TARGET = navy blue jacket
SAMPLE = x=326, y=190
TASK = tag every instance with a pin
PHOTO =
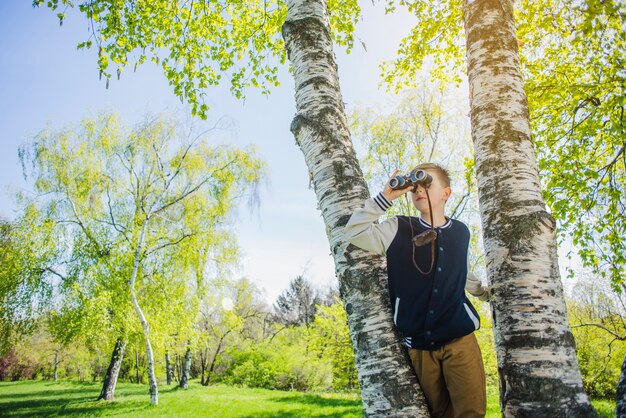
x=430, y=310
x=433, y=309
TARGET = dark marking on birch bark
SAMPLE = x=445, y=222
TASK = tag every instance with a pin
x=517, y=232
x=342, y=220
x=529, y=341
x=558, y=399
x=304, y=30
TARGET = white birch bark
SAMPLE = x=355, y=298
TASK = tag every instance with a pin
x=154, y=390
x=388, y=385
x=539, y=373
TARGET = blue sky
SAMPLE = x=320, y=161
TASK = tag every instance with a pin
x=45, y=81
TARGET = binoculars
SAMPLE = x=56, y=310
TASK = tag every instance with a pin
x=414, y=179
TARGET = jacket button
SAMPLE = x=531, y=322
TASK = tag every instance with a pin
x=431, y=311
x=438, y=268
x=432, y=343
x=440, y=248
x=435, y=290
x=427, y=332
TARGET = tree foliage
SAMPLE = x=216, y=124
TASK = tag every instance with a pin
x=314, y=357
x=29, y=252
x=330, y=339
x=197, y=42
x=231, y=313
x=597, y=314
x=573, y=61
x=127, y=202
x=423, y=126
x=297, y=304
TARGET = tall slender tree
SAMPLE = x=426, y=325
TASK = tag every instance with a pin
x=132, y=198
x=204, y=36
x=539, y=373
x=320, y=126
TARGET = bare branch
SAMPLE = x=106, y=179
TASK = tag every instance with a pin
x=613, y=333
x=62, y=277
x=113, y=223
x=193, y=189
x=168, y=244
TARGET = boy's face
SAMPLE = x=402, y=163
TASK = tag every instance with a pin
x=438, y=193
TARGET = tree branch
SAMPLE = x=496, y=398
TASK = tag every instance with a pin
x=168, y=244
x=613, y=333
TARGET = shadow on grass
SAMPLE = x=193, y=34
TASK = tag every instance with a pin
x=39, y=406
x=69, y=406
x=296, y=414
x=318, y=400
x=59, y=399
x=73, y=393
x=309, y=403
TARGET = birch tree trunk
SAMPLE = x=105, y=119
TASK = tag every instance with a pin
x=539, y=373
x=136, y=365
x=110, y=379
x=154, y=390
x=168, y=368
x=56, y=366
x=184, y=379
x=388, y=385
x=620, y=394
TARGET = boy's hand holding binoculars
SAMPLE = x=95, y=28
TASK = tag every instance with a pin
x=392, y=194
x=400, y=184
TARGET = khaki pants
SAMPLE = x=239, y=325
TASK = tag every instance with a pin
x=452, y=378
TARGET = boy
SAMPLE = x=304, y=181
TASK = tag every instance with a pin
x=426, y=287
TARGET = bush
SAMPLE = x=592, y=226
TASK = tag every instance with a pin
x=284, y=363
x=252, y=368
x=14, y=367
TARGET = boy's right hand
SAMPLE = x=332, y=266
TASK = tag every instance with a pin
x=391, y=194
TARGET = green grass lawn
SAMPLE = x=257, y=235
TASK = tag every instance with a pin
x=44, y=398
x=41, y=398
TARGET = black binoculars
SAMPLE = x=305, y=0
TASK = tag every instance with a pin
x=414, y=179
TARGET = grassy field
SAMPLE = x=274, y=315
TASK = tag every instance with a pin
x=43, y=398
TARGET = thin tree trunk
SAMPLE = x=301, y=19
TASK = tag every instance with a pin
x=154, y=390
x=539, y=373
x=212, y=367
x=388, y=385
x=203, y=364
x=110, y=379
x=203, y=369
x=168, y=368
x=136, y=365
x=184, y=380
x=56, y=366
x=620, y=394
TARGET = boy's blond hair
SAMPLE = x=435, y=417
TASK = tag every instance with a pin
x=442, y=173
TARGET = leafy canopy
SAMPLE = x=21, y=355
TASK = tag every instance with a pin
x=197, y=42
x=573, y=61
x=100, y=183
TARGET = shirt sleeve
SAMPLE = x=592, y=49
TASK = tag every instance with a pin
x=363, y=231
x=474, y=286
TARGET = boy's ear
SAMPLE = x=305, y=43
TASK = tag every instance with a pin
x=447, y=191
